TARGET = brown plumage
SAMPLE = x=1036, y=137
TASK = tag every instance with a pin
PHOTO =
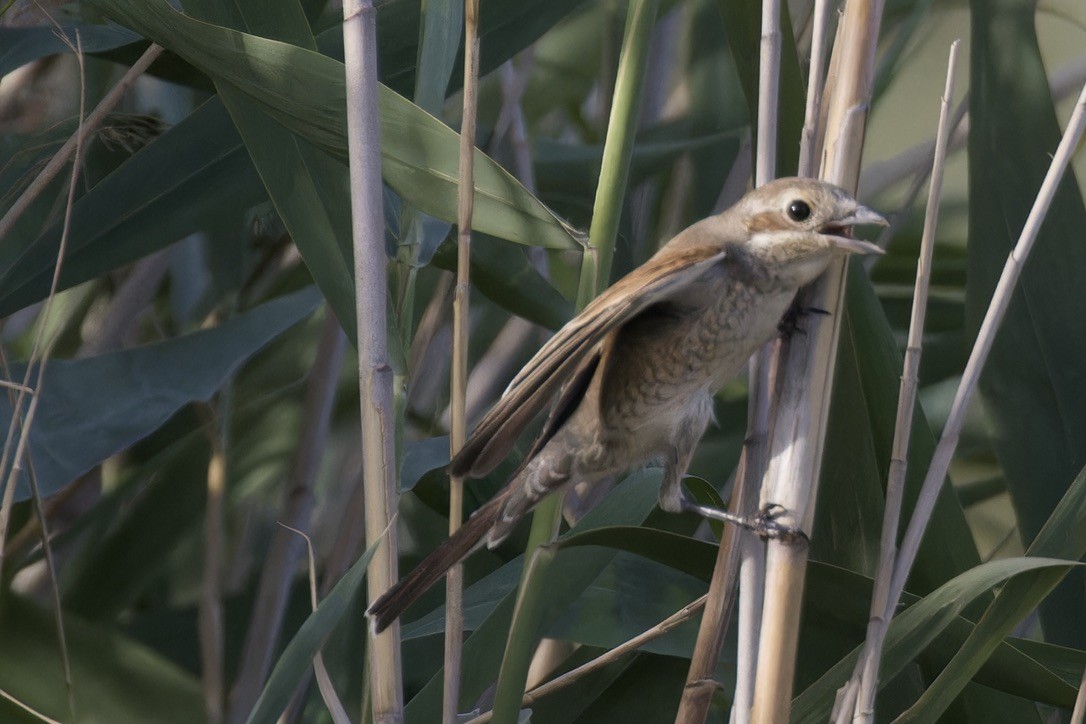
x=631, y=377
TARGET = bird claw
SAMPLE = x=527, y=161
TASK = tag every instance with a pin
x=764, y=524
x=789, y=324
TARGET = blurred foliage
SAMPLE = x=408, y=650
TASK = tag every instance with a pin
x=210, y=205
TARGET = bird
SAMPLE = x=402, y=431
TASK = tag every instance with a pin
x=631, y=378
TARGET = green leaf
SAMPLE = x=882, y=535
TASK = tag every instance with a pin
x=868, y=343
x=420, y=457
x=298, y=655
x=912, y=630
x=504, y=275
x=169, y=189
x=743, y=27
x=19, y=46
x=310, y=189
x=1063, y=536
x=114, y=678
x=1033, y=387
x=126, y=542
x=629, y=503
x=304, y=91
x=93, y=408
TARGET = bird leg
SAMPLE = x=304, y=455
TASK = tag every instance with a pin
x=674, y=499
x=764, y=524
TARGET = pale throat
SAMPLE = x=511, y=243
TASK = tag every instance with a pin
x=789, y=259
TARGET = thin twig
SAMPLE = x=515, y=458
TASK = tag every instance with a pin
x=86, y=129
x=884, y=237
x=816, y=82
x=866, y=677
x=948, y=442
x=27, y=708
x=880, y=176
x=454, y=581
x=741, y=556
x=40, y=355
x=606, y=659
x=324, y=680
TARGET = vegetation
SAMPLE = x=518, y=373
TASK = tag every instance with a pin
x=179, y=330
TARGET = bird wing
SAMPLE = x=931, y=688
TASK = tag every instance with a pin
x=571, y=353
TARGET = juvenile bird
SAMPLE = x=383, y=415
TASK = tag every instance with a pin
x=632, y=377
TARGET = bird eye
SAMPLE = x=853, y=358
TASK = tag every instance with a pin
x=799, y=210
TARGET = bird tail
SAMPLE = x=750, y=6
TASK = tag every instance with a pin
x=406, y=591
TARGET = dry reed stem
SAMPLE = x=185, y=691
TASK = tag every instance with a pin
x=741, y=556
x=375, y=375
x=863, y=687
x=210, y=612
x=944, y=451
x=454, y=581
x=809, y=148
x=917, y=160
x=806, y=375
x=27, y=708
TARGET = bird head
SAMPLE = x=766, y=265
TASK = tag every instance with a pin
x=798, y=224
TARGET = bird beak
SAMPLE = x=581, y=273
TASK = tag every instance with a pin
x=860, y=215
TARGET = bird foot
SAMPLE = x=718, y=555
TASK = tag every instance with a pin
x=764, y=524
x=789, y=324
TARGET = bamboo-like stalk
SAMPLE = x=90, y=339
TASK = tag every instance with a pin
x=281, y=560
x=741, y=556
x=595, y=271
x=617, y=150
x=458, y=433
x=374, y=371
x=997, y=309
x=805, y=379
x=863, y=686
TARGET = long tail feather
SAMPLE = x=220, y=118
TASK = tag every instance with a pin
x=395, y=600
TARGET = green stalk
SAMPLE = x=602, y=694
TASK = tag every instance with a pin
x=617, y=150
x=595, y=274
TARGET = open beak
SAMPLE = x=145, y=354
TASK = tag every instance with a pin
x=859, y=216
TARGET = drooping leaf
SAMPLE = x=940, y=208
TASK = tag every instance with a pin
x=305, y=92
x=297, y=657
x=114, y=678
x=912, y=630
x=93, y=408
x=169, y=189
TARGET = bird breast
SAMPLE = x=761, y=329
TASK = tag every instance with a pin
x=675, y=351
